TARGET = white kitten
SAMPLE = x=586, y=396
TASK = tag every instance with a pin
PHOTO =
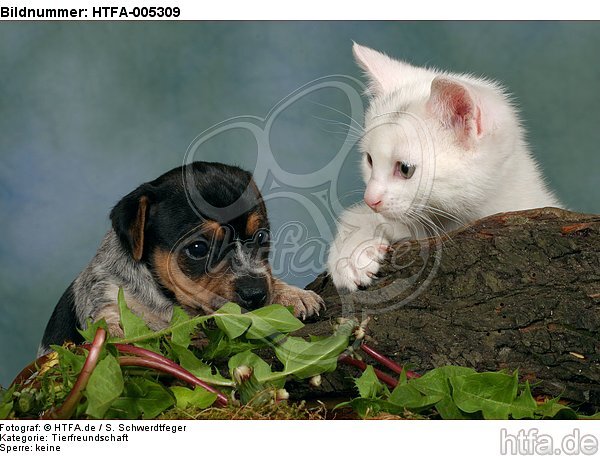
x=439, y=150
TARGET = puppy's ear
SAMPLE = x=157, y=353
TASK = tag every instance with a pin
x=129, y=218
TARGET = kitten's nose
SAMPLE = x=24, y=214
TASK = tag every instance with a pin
x=374, y=194
x=373, y=203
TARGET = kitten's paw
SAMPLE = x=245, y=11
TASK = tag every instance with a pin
x=356, y=263
x=304, y=302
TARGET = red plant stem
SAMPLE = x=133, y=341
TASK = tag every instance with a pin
x=74, y=396
x=385, y=378
x=139, y=351
x=170, y=367
x=395, y=367
x=174, y=370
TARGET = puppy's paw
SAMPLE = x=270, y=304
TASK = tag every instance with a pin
x=304, y=302
x=355, y=262
x=116, y=331
x=110, y=314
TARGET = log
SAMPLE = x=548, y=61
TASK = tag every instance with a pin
x=518, y=290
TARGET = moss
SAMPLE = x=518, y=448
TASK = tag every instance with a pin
x=276, y=411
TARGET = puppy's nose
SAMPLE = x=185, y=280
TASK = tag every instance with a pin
x=252, y=292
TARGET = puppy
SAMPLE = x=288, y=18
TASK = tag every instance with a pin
x=196, y=237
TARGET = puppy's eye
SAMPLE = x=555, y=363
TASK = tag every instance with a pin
x=196, y=250
x=369, y=159
x=404, y=169
x=262, y=237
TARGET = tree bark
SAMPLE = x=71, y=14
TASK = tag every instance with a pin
x=517, y=290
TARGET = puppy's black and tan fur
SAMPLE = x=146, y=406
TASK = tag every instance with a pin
x=196, y=237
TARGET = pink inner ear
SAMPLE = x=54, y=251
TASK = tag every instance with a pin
x=453, y=103
x=457, y=102
x=478, y=121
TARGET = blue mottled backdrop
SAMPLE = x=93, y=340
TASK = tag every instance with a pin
x=90, y=110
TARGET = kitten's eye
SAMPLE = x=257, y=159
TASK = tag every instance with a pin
x=262, y=238
x=404, y=169
x=196, y=250
x=369, y=160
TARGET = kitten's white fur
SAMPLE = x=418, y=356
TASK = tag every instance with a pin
x=463, y=135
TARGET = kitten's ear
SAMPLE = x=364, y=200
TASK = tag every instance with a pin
x=384, y=73
x=129, y=219
x=456, y=106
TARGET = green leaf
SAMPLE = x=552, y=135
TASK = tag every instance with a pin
x=142, y=398
x=104, y=386
x=6, y=402
x=304, y=359
x=459, y=393
x=524, y=406
x=134, y=326
x=595, y=416
x=70, y=362
x=368, y=384
x=220, y=346
x=259, y=324
x=5, y=410
x=408, y=397
x=403, y=380
x=251, y=390
x=553, y=409
x=91, y=328
x=492, y=393
x=260, y=368
x=431, y=381
x=436, y=383
x=197, y=398
x=203, y=371
x=270, y=320
x=228, y=319
x=183, y=327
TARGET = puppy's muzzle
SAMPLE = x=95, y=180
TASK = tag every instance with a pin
x=253, y=292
